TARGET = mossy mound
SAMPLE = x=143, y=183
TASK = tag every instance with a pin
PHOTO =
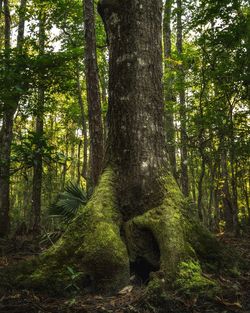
x=165, y=223
x=91, y=246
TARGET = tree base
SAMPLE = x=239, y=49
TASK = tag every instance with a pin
x=98, y=251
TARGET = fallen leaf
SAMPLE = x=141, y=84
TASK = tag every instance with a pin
x=125, y=290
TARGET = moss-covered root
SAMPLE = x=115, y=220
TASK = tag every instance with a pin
x=168, y=226
x=91, y=250
x=165, y=223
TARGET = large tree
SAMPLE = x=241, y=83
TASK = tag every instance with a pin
x=134, y=218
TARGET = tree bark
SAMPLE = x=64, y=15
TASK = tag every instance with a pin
x=10, y=107
x=5, y=173
x=38, y=161
x=93, y=94
x=183, y=118
x=136, y=137
x=6, y=138
x=84, y=126
x=20, y=35
x=1, y=26
x=226, y=197
x=169, y=95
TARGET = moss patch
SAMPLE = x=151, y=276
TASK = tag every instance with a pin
x=165, y=222
x=190, y=280
x=91, y=244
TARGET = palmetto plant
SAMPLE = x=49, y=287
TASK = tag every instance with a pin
x=69, y=201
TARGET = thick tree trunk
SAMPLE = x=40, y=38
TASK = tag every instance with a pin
x=133, y=220
x=93, y=94
x=136, y=138
x=183, y=117
x=38, y=161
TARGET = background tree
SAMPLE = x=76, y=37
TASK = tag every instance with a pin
x=93, y=94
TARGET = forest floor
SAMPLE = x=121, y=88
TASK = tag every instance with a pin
x=236, y=290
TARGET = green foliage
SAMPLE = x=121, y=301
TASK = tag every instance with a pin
x=74, y=276
x=69, y=201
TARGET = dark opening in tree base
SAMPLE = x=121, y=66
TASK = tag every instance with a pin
x=141, y=269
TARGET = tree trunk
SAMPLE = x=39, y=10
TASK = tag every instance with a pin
x=1, y=26
x=201, y=212
x=233, y=163
x=84, y=125
x=183, y=117
x=133, y=220
x=20, y=35
x=93, y=94
x=6, y=138
x=226, y=197
x=10, y=107
x=5, y=173
x=38, y=161
x=169, y=96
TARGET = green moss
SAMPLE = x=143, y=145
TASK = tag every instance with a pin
x=91, y=243
x=166, y=223
x=190, y=279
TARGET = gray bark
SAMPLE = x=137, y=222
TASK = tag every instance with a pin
x=6, y=138
x=93, y=94
x=38, y=161
x=183, y=117
x=136, y=132
x=84, y=126
x=169, y=95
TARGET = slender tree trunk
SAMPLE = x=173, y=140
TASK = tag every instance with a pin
x=233, y=171
x=226, y=197
x=200, y=189
x=20, y=35
x=169, y=95
x=7, y=24
x=38, y=161
x=104, y=97
x=245, y=188
x=64, y=167
x=183, y=117
x=10, y=108
x=5, y=173
x=79, y=161
x=72, y=165
x=84, y=126
x=93, y=94
x=1, y=26
x=6, y=138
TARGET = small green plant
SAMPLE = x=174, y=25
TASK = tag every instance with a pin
x=74, y=276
